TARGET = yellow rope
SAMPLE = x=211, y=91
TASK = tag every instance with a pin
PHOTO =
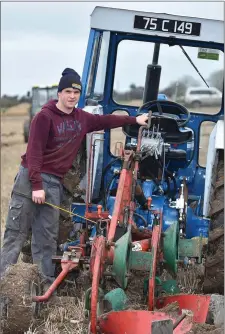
x=70, y=212
x=57, y=207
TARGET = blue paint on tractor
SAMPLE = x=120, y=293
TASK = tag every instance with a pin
x=64, y=247
x=196, y=225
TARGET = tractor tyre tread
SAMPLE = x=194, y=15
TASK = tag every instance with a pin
x=214, y=265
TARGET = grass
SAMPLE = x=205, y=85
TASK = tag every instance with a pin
x=66, y=315
x=21, y=109
x=12, y=147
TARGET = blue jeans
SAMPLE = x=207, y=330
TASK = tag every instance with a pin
x=42, y=219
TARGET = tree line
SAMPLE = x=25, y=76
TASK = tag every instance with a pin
x=8, y=101
x=177, y=87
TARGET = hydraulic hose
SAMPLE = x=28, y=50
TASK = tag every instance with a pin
x=140, y=216
x=169, y=174
x=101, y=191
x=106, y=192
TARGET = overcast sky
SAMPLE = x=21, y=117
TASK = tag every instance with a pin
x=40, y=39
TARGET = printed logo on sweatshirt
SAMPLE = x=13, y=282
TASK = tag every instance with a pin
x=68, y=131
x=69, y=126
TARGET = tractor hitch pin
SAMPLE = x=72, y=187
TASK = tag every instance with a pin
x=180, y=203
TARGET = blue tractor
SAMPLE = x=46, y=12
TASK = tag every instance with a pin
x=171, y=173
x=167, y=175
x=154, y=194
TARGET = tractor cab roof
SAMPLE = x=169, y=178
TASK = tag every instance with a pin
x=157, y=24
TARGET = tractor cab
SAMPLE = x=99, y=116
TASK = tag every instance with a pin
x=153, y=190
x=40, y=95
x=140, y=62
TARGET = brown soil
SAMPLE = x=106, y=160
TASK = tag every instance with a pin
x=171, y=309
x=17, y=287
x=21, y=109
x=205, y=328
x=190, y=280
x=64, y=314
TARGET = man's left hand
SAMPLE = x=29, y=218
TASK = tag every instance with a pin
x=142, y=119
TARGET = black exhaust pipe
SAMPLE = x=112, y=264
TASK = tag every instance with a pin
x=152, y=77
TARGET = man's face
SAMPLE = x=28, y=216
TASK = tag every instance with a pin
x=69, y=97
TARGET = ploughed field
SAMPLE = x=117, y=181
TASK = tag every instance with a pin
x=63, y=314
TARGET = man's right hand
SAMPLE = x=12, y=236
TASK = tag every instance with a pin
x=38, y=196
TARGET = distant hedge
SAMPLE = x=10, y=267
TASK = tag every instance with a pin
x=7, y=101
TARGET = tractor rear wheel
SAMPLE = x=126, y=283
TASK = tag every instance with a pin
x=19, y=284
x=214, y=266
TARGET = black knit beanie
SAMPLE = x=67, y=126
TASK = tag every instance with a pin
x=69, y=79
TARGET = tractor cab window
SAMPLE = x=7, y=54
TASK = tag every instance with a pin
x=205, y=132
x=117, y=136
x=53, y=93
x=96, y=79
x=188, y=76
x=40, y=96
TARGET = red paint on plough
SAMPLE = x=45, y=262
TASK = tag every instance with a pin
x=141, y=322
x=104, y=251
x=138, y=322
x=192, y=308
x=198, y=304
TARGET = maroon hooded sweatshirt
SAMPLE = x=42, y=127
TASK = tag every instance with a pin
x=55, y=138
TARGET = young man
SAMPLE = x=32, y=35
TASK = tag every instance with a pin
x=56, y=134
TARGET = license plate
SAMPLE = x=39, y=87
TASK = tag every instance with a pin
x=167, y=25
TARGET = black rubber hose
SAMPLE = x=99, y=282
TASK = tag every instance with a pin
x=173, y=179
x=106, y=192
x=140, y=216
x=101, y=191
x=169, y=174
x=141, y=199
x=168, y=185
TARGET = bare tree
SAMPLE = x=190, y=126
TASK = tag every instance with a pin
x=216, y=79
x=180, y=86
